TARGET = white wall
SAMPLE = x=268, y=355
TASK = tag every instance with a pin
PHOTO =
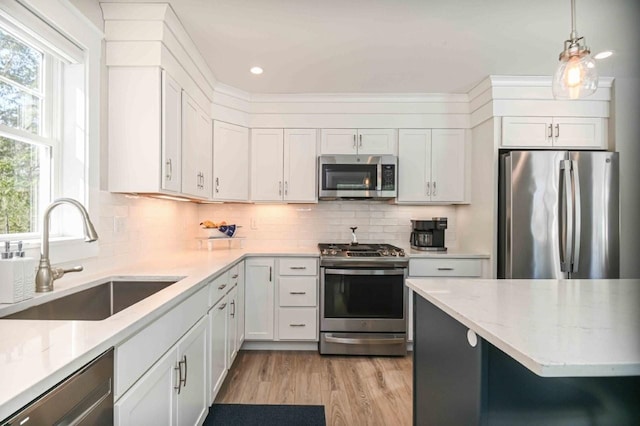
x=305, y=225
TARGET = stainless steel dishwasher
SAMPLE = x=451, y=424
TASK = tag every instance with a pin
x=84, y=398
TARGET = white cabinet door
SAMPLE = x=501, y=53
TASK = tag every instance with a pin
x=259, y=298
x=152, y=400
x=300, y=165
x=204, y=153
x=447, y=165
x=230, y=162
x=241, y=305
x=192, y=355
x=232, y=326
x=171, y=133
x=339, y=141
x=526, y=132
x=414, y=165
x=217, y=347
x=266, y=164
x=377, y=141
x=575, y=132
x=191, y=173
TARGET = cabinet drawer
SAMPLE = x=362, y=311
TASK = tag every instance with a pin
x=298, y=291
x=297, y=323
x=218, y=288
x=298, y=266
x=445, y=268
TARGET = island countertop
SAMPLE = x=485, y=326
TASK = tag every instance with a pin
x=555, y=328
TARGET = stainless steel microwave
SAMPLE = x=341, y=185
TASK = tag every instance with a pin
x=357, y=176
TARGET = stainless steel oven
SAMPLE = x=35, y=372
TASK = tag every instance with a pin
x=363, y=305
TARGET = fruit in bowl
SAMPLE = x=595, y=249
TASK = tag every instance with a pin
x=207, y=224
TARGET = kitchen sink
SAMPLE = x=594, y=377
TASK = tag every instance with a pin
x=95, y=303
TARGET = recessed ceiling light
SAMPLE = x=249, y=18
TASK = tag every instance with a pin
x=604, y=54
x=256, y=70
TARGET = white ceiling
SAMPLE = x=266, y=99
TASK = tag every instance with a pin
x=398, y=46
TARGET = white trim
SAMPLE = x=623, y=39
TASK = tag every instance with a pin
x=279, y=346
x=361, y=97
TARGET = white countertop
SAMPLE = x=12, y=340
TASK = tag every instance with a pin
x=555, y=328
x=35, y=355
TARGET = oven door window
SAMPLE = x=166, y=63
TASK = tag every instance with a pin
x=364, y=296
x=349, y=177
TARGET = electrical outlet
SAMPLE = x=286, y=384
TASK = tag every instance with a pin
x=119, y=224
x=254, y=223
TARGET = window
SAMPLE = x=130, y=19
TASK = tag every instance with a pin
x=28, y=139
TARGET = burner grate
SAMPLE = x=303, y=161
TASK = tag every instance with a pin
x=363, y=254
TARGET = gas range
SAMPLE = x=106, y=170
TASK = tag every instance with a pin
x=362, y=255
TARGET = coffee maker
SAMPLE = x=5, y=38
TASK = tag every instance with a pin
x=428, y=235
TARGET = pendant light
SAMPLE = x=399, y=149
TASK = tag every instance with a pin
x=576, y=76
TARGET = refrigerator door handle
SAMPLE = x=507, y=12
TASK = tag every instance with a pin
x=566, y=236
x=575, y=177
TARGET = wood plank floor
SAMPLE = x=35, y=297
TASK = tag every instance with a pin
x=354, y=390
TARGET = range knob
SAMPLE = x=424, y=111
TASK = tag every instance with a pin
x=333, y=252
x=385, y=252
x=401, y=253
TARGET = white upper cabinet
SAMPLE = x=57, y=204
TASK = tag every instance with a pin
x=358, y=141
x=196, y=149
x=144, y=131
x=554, y=132
x=230, y=162
x=431, y=166
x=283, y=165
x=300, y=164
x=171, y=134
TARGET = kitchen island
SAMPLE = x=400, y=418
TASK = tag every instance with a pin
x=526, y=351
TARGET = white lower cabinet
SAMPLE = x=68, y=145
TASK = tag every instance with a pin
x=173, y=391
x=217, y=347
x=232, y=325
x=259, y=298
x=443, y=267
x=298, y=324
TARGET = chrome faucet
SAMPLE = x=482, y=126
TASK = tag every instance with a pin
x=46, y=274
x=354, y=239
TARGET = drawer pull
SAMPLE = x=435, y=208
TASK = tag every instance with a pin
x=297, y=325
x=234, y=276
x=224, y=305
x=221, y=287
x=445, y=269
x=297, y=292
x=298, y=267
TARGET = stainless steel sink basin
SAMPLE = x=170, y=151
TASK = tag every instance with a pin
x=95, y=303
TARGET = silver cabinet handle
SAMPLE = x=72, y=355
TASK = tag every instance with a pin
x=270, y=271
x=360, y=137
x=286, y=187
x=428, y=188
x=217, y=185
x=178, y=370
x=354, y=141
x=434, y=188
x=185, y=371
x=221, y=287
x=169, y=174
x=445, y=269
x=221, y=307
x=297, y=325
x=182, y=381
x=557, y=130
x=550, y=131
x=298, y=267
x=280, y=187
x=233, y=308
x=297, y=292
x=234, y=276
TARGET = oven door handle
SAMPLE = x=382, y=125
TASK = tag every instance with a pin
x=364, y=271
x=364, y=341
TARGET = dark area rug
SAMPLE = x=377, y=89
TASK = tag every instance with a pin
x=265, y=415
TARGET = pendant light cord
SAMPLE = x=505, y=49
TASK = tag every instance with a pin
x=574, y=33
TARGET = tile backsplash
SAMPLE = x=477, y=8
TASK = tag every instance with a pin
x=305, y=225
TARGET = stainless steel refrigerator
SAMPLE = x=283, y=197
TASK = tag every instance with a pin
x=558, y=215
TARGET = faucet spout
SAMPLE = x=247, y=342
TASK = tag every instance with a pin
x=46, y=274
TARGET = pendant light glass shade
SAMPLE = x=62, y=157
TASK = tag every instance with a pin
x=576, y=76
